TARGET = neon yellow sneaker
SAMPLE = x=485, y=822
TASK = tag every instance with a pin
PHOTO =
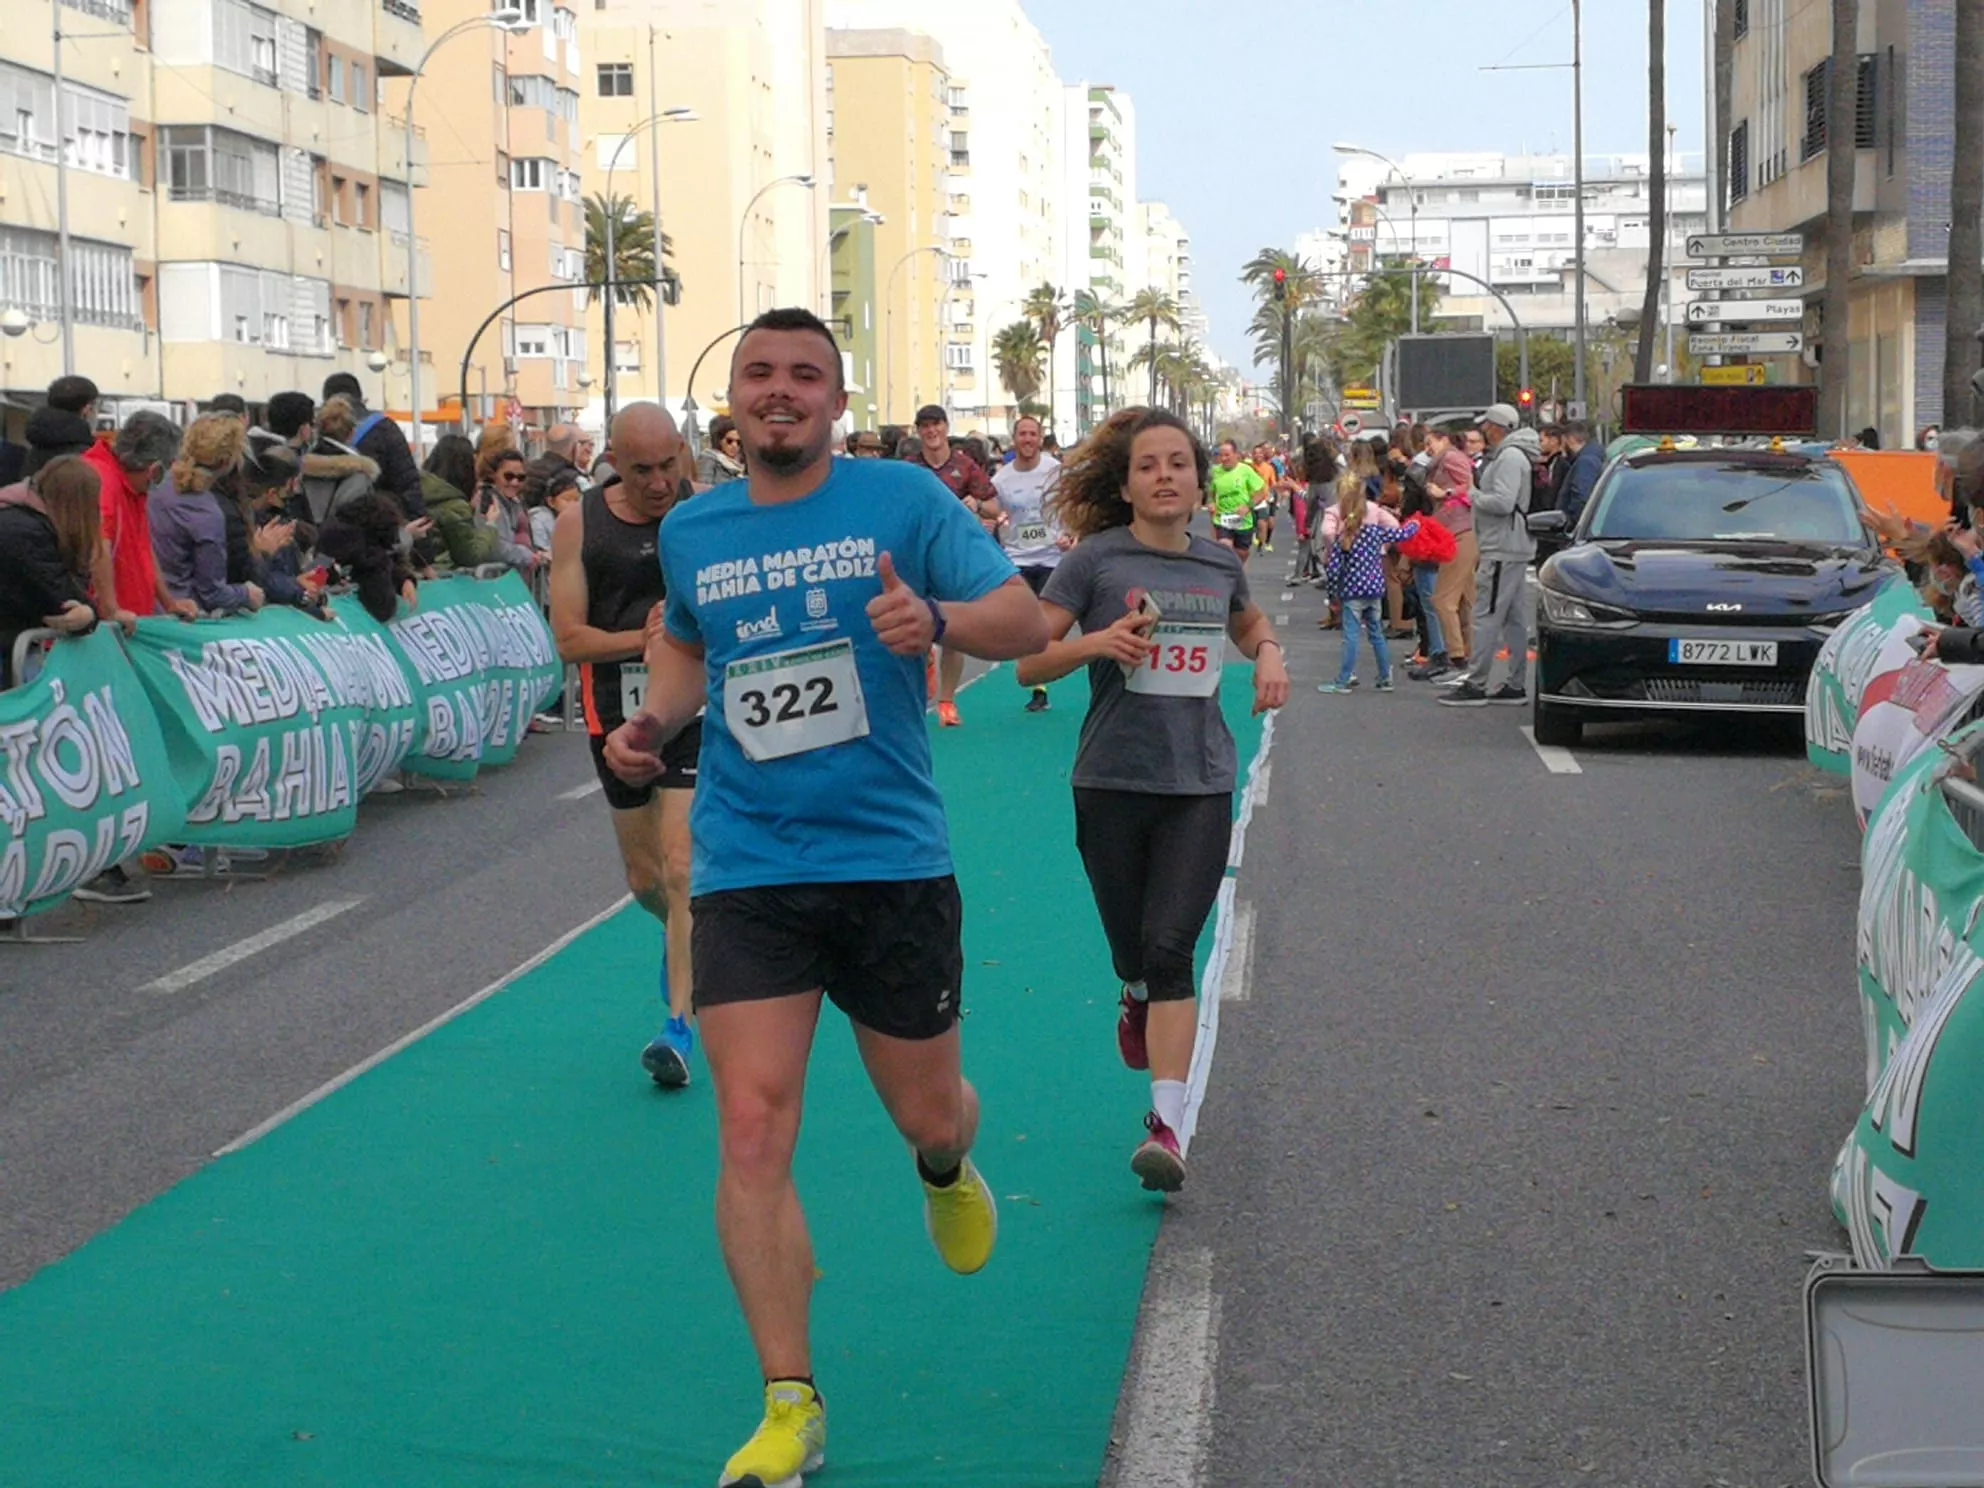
x=963, y=1220
x=791, y=1441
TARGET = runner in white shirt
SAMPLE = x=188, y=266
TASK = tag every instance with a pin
x=1034, y=539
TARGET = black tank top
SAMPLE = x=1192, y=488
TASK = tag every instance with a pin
x=622, y=563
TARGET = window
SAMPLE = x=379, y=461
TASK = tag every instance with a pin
x=95, y=127
x=958, y=358
x=207, y=163
x=361, y=215
x=245, y=40
x=313, y=57
x=955, y=97
x=103, y=287
x=337, y=79
x=1813, y=141
x=1739, y=162
x=616, y=80
x=1866, y=87
x=960, y=148
x=532, y=10
x=627, y=356
x=366, y=342
x=341, y=324
x=529, y=341
x=1887, y=100
x=503, y=249
x=533, y=90
x=359, y=92
x=339, y=188
x=1741, y=9
x=529, y=173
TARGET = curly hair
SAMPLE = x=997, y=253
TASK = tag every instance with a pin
x=1089, y=497
x=213, y=446
x=493, y=459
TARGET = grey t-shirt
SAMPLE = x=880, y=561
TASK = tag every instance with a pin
x=1133, y=741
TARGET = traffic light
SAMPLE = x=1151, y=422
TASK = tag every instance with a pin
x=1281, y=285
x=1526, y=399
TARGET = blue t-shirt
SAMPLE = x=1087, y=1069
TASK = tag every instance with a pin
x=748, y=582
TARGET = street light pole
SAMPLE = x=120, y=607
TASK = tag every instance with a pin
x=744, y=315
x=611, y=269
x=889, y=326
x=1411, y=201
x=64, y=263
x=502, y=20
x=1577, y=164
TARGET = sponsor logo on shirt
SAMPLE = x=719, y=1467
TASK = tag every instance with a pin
x=761, y=630
x=817, y=607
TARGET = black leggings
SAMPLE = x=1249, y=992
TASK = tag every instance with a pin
x=1155, y=864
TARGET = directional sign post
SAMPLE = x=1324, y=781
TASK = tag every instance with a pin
x=1703, y=312
x=1747, y=343
x=1737, y=245
x=1789, y=277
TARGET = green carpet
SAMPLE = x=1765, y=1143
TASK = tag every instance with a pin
x=492, y=1260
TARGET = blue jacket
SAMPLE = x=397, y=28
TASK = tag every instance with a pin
x=1579, y=480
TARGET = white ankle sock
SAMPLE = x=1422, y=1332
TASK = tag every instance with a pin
x=1138, y=992
x=1167, y=1098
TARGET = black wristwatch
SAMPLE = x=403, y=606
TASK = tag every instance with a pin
x=937, y=615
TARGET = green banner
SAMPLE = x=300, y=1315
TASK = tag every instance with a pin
x=481, y=652
x=1910, y=1179
x=267, y=720
x=396, y=720
x=1872, y=641
x=84, y=777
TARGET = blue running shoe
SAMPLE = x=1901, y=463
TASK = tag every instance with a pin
x=667, y=1058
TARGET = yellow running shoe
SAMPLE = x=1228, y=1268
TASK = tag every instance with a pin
x=963, y=1220
x=791, y=1442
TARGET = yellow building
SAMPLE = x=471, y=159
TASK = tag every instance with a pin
x=742, y=172
x=231, y=182
x=891, y=142
x=501, y=191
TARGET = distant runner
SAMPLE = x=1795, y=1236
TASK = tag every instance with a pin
x=1034, y=540
x=606, y=596
x=1235, y=487
x=802, y=602
x=1155, y=772
x=965, y=479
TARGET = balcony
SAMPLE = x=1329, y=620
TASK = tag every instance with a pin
x=398, y=39
x=395, y=285
x=116, y=11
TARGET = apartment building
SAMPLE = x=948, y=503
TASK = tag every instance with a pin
x=854, y=310
x=1102, y=248
x=742, y=170
x=498, y=175
x=1509, y=222
x=1904, y=132
x=892, y=116
x=232, y=181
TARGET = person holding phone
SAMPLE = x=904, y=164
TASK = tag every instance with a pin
x=1155, y=771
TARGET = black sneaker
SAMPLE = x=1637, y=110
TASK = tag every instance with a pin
x=1038, y=702
x=1467, y=695
x=1428, y=670
x=1508, y=694
x=113, y=886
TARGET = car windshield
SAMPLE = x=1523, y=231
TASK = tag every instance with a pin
x=1693, y=501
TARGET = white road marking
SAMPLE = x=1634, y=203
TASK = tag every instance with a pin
x=1557, y=761
x=1287, y=595
x=1238, y=983
x=1263, y=777
x=372, y=1061
x=1281, y=619
x=580, y=792
x=254, y=945
x=1169, y=1430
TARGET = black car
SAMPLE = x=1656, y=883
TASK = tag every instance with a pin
x=1696, y=580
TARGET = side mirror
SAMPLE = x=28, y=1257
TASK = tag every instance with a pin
x=1549, y=524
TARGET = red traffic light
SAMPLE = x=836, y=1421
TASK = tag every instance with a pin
x=1527, y=397
x=1281, y=276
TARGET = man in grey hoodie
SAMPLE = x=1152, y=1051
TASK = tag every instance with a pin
x=1501, y=527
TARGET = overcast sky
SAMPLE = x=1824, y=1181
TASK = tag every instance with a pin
x=1237, y=105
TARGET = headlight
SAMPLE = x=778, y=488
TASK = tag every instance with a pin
x=1560, y=608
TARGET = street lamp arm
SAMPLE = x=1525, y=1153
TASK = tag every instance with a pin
x=469, y=354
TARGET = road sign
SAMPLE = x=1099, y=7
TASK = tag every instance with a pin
x=1789, y=277
x=1362, y=397
x=1747, y=343
x=1702, y=312
x=1728, y=245
x=1749, y=375
x=1351, y=423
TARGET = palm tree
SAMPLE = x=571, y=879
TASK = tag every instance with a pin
x=1048, y=313
x=1836, y=364
x=1016, y=355
x=633, y=251
x=1966, y=293
x=1154, y=307
x=1656, y=232
x=1096, y=313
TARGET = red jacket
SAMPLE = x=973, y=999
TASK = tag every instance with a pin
x=127, y=527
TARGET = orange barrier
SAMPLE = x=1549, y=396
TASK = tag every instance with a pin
x=1902, y=479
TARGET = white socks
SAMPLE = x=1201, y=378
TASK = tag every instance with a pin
x=1167, y=1098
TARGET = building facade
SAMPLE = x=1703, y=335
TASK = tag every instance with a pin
x=1904, y=132
x=233, y=180
x=891, y=147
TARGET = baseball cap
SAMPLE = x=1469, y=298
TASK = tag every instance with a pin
x=1499, y=413
x=931, y=413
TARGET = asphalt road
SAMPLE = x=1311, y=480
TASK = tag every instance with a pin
x=1517, y=1141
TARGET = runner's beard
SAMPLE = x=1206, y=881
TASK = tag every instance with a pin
x=787, y=459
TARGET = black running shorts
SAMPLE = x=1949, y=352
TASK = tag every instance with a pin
x=890, y=955
x=1240, y=539
x=679, y=758
x=1036, y=576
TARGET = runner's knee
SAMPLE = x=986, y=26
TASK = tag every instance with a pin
x=1168, y=966
x=759, y=1131
x=675, y=864
x=932, y=1123
x=648, y=883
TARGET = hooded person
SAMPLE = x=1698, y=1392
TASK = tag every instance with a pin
x=381, y=441
x=334, y=472
x=1500, y=504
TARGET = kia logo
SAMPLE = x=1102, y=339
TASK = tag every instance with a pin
x=1722, y=608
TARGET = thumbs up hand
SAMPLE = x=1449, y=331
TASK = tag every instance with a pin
x=903, y=619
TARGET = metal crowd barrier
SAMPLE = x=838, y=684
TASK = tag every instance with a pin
x=24, y=644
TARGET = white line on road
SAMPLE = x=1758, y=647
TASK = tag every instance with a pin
x=241, y=950
x=580, y=792
x=373, y=1061
x=1169, y=1430
x=1281, y=619
x=1557, y=761
x=1263, y=778
x=1287, y=595
x=1237, y=985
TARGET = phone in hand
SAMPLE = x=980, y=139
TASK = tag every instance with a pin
x=1919, y=642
